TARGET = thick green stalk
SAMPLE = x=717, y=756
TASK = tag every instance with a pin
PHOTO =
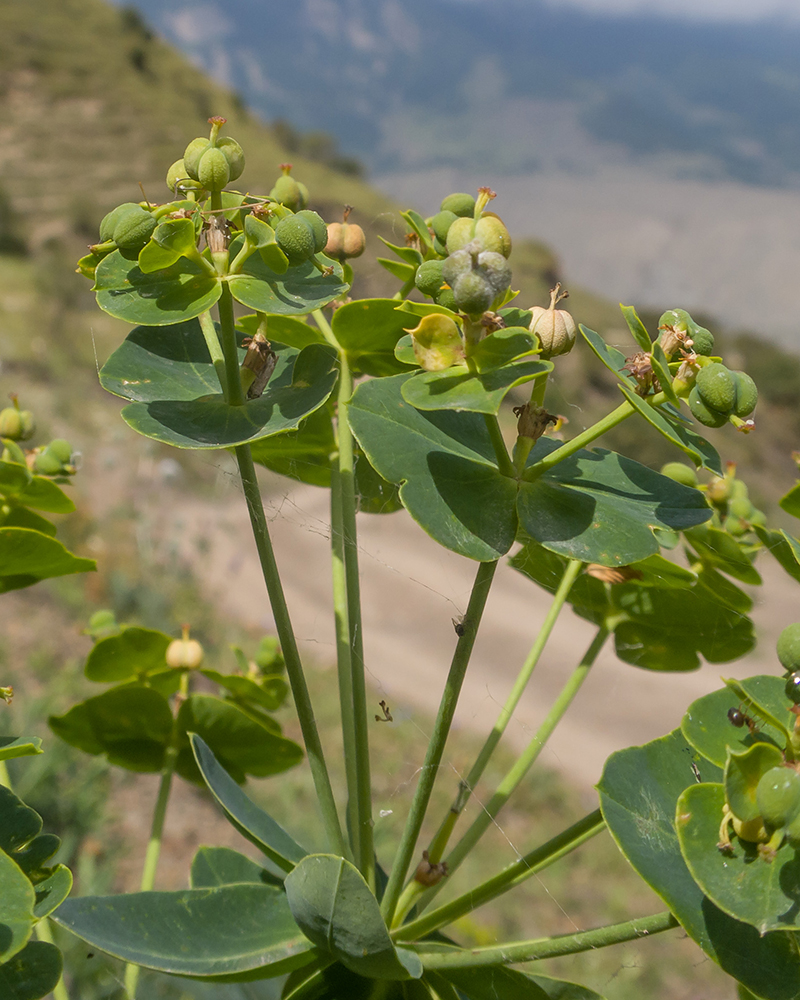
x=504, y=463
x=280, y=611
x=366, y=855
x=439, y=842
x=343, y=658
x=571, y=572
x=234, y=394
x=291, y=655
x=5, y=780
x=159, y=814
x=622, y=412
x=441, y=729
x=531, y=863
x=525, y=761
x=564, y=944
x=214, y=348
x=43, y=933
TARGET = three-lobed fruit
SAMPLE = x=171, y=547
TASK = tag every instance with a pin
x=707, y=416
x=288, y=191
x=489, y=232
x=184, y=654
x=554, y=328
x=680, y=473
x=460, y=204
x=441, y=223
x=55, y=459
x=789, y=647
x=429, y=277
x=476, y=278
x=213, y=171
x=18, y=425
x=716, y=387
x=345, y=241
x=300, y=236
x=133, y=228
x=719, y=392
x=778, y=796
x=110, y=220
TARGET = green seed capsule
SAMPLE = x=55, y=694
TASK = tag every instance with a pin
x=318, y=228
x=441, y=223
x=60, y=449
x=702, y=341
x=741, y=507
x=778, y=796
x=717, y=387
x=429, y=278
x=296, y=238
x=193, y=154
x=705, y=414
x=789, y=647
x=134, y=228
x=792, y=687
x=289, y=192
x=459, y=204
x=447, y=299
x=746, y=394
x=488, y=232
x=473, y=293
x=234, y=154
x=47, y=464
x=345, y=240
x=112, y=218
x=679, y=473
x=214, y=171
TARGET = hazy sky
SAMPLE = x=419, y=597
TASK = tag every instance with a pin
x=712, y=10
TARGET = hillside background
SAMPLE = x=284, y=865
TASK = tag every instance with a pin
x=95, y=103
x=659, y=157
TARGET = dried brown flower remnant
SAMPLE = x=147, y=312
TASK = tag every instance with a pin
x=613, y=574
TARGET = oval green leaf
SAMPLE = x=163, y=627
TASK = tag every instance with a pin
x=16, y=908
x=747, y=887
x=213, y=866
x=167, y=296
x=134, y=653
x=639, y=791
x=32, y=973
x=458, y=388
x=251, y=821
x=242, y=745
x=218, y=932
x=27, y=556
x=445, y=464
x=707, y=727
x=368, y=331
x=131, y=725
x=19, y=746
x=601, y=507
x=333, y=905
x=298, y=291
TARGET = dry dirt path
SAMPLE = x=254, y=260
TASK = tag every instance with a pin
x=411, y=590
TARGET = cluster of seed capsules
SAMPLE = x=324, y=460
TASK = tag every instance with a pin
x=472, y=273
x=295, y=233
x=54, y=459
x=714, y=393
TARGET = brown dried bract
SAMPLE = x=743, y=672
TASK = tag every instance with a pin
x=640, y=366
x=613, y=574
x=429, y=873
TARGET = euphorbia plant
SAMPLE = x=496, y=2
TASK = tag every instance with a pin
x=277, y=386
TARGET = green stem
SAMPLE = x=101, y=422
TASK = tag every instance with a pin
x=343, y=658
x=5, y=780
x=361, y=805
x=214, y=348
x=43, y=933
x=525, y=761
x=564, y=944
x=234, y=395
x=622, y=412
x=504, y=463
x=534, y=861
x=406, y=290
x=159, y=814
x=366, y=855
x=291, y=655
x=444, y=719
